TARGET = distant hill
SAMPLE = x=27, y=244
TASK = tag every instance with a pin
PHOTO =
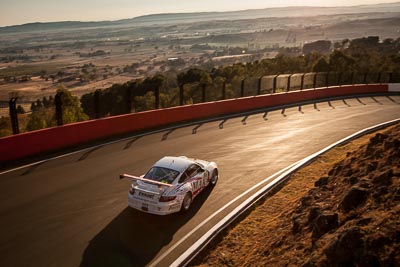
x=174, y=18
x=299, y=11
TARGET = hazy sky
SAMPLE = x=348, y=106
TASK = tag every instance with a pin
x=14, y=12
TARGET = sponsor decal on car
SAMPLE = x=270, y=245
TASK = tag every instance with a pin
x=175, y=206
x=142, y=194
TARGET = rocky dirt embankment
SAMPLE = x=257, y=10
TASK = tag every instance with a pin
x=342, y=210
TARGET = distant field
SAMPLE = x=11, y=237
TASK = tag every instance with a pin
x=29, y=69
x=65, y=53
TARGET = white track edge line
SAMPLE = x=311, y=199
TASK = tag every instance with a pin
x=285, y=172
x=154, y=263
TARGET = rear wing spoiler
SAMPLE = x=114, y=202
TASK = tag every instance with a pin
x=122, y=176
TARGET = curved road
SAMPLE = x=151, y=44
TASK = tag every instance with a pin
x=73, y=210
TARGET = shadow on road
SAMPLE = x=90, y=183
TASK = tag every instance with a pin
x=133, y=238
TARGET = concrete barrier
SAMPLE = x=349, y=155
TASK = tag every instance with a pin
x=56, y=138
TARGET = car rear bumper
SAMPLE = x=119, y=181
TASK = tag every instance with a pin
x=158, y=208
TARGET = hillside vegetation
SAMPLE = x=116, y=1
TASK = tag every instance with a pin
x=342, y=210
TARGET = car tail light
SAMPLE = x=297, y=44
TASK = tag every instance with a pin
x=167, y=198
x=132, y=191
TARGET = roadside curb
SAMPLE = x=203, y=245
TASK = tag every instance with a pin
x=197, y=247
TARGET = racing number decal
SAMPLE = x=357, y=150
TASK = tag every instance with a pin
x=197, y=184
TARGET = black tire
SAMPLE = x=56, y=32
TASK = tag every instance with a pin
x=186, y=202
x=214, y=178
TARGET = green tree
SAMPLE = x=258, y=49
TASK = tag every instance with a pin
x=39, y=104
x=36, y=121
x=5, y=126
x=33, y=107
x=20, y=109
x=72, y=111
x=321, y=65
x=338, y=61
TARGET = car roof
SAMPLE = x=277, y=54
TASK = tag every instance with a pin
x=175, y=163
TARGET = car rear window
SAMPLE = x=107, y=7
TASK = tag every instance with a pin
x=163, y=175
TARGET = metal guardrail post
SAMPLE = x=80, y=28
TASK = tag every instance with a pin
x=259, y=86
x=59, y=112
x=157, y=97
x=302, y=81
x=390, y=77
x=327, y=79
x=288, y=83
x=242, y=88
x=379, y=77
x=352, y=78
x=224, y=90
x=315, y=80
x=128, y=100
x=14, y=115
x=366, y=78
x=275, y=84
x=181, y=100
x=339, y=80
x=134, y=104
x=97, y=103
x=203, y=92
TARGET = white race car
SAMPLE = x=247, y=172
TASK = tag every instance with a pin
x=171, y=185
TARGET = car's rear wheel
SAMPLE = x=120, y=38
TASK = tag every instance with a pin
x=214, y=177
x=187, y=201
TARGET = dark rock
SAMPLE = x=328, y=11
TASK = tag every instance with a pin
x=384, y=178
x=372, y=146
x=353, y=180
x=395, y=144
x=336, y=169
x=296, y=227
x=325, y=223
x=347, y=249
x=382, y=190
x=378, y=154
x=354, y=198
x=321, y=182
x=378, y=139
x=365, y=184
x=379, y=241
x=397, y=236
x=305, y=201
x=377, y=197
x=315, y=211
x=308, y=264
x=371, y=260
x=364, y=221
x=348, y=172
x=371, y=166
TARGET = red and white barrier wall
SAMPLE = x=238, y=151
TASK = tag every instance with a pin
x=56, y=138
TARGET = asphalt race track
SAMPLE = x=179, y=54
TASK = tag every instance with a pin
x=72, y=211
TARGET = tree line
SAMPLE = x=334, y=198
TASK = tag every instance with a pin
x=358, y=56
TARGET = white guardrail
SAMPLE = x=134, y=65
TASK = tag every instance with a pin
x=194, y=250
x=394, y=87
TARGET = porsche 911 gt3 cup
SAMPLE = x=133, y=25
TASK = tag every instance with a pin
x=171, y=185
